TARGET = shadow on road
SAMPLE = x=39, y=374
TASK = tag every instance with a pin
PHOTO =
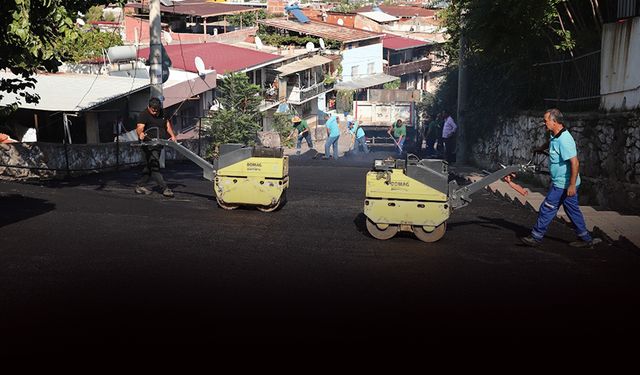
x=16, y=208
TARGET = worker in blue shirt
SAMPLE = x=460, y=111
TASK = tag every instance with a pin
x=565, y=180
x=333, y=133
x=358, y=138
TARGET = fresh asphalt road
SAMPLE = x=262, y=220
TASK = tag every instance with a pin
x=86, y=261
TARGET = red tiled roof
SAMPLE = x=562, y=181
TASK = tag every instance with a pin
x=201, y=9
x=401, y=11
x=322, y=30
x=395, y=42
x=221, y=57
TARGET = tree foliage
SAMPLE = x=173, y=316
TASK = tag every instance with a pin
x=238, y=119
x=278, y=38
x=94, y=13
x=246, y=19
x=33, y=32
x=89, y=44
x=503, y=39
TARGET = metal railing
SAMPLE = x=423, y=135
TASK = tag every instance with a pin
x=572, y=84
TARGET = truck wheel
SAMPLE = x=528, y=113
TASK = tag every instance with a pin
x=432, y=236
x=381, y=234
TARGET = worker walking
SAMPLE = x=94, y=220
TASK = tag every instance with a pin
x=303, y=133
x=358, y=138
x=150, y=118
x=565, y=180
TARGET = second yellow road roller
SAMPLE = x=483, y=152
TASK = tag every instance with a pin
x=415, y=195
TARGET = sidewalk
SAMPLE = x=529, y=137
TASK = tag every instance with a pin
x=614, y=225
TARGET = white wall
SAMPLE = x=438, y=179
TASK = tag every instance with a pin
x=620, y=62
x=361, y=57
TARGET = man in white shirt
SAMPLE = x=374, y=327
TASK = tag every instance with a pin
x=449, y=137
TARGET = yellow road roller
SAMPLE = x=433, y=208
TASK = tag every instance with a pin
x=255, y=176
x=251, y=176
x=414, y=195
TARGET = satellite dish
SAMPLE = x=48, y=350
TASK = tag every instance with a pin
x=310, y=46
x=167, y=37
x=322, y=45
x=340, y=21
x=80, y=21
x=259, y=44
x=199, y=65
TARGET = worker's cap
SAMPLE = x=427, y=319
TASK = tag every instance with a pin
x=296, y=119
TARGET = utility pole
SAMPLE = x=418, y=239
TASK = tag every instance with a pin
x=461, y=152
x=155, y=44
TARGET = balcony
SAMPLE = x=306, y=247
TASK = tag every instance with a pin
x=299, y=95
x=408, y=68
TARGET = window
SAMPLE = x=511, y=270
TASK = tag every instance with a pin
x=370, y=68
x=354, y=71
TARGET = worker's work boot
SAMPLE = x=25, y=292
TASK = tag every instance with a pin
x=585, y=244
x=167, y=193
x=142, y=190
x=530, y=241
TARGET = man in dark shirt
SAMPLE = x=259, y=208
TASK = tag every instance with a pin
x=152, y=118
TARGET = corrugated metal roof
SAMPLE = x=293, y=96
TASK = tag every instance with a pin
x=223, y=58
x=396, y=43
x=379, y=16
x=200, y=9
x=366, y=81
x=75, y=92
x=322, y=30
x=303, y=64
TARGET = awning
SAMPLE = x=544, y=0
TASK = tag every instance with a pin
x=303, y=64
x=379, y=17
x=366, y=81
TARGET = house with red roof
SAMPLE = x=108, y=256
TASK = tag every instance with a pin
x=408, y=59
x=296, y=80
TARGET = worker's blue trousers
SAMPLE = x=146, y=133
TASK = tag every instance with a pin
x=549, y=208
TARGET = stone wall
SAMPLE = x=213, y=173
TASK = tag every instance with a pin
x=608, y=150
x=39, y=160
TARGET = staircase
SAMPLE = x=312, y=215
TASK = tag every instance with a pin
x=611, y=223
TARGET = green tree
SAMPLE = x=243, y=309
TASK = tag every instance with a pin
x=246, y=19
x=504, y=38
x=393, y=85
x=94, y=13
x=283, y=126
x=89, y=44
x=32, y=33
x=238, y=120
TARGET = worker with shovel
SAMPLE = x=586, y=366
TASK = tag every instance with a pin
x=399, y=134
x=303, y=133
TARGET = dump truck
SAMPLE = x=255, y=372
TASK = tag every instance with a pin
x=381, y=110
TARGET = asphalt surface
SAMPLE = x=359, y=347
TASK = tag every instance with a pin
x=87, y=261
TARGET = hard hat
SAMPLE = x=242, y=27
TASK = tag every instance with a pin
x=295, y=119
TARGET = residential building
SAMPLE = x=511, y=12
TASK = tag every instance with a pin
x=224, y=59
x=620, y=52
x=408, y=59
x=195, y=16
x=78, y=108
x=360, y=51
